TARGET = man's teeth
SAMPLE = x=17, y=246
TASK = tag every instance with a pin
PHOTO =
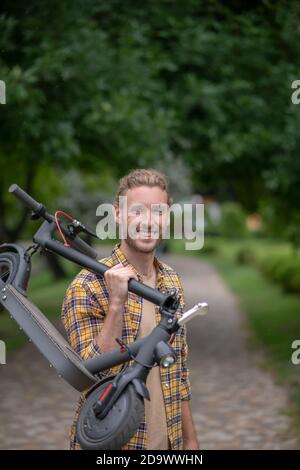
x=142, y=232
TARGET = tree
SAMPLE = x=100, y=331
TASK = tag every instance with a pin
x=129, y=84
x=74, y=100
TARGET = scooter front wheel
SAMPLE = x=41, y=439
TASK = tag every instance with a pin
x=117, y=427
x=9, y=263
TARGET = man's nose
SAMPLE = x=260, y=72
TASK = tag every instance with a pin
x=146, y=219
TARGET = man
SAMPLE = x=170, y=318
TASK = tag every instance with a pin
x=97, y=310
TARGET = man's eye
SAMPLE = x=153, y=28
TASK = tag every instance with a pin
x=158, y=210
x=136, y=211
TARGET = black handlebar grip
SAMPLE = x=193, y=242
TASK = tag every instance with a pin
x=25, y=198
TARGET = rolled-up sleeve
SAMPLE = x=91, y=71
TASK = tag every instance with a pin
x=185, y=385
x=82, y=319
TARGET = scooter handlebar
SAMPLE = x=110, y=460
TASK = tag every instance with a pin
x=37, y=207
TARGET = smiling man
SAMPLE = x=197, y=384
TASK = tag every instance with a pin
x=97, y=310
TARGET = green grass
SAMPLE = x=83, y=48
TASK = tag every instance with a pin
x=272, y=314
x=228, y=249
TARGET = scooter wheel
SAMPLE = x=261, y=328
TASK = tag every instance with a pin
x=9, y=263
x=117, y=427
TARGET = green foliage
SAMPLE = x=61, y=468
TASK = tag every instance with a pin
x=273, y=316
x=74, y=94
x=283, y=269
x=130, y=84
x=272, y=313
x=233, y=221
x=75, y=99
x=212, y=226
x=210, y=247
x=279, y=266
x=245, y=255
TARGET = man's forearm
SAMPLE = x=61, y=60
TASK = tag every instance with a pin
x=190, y=440
x=112, y=327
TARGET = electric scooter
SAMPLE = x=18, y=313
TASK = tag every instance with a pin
x=114, y=405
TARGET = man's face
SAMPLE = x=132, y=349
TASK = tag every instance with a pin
x=144, y=217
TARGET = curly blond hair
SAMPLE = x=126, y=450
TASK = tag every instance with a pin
x=143, y=177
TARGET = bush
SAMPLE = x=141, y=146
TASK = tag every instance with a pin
x=271, y=265
x=209, y=248
x=283, y=269
x=245, y=256
x=212, y=226
x=233, y=221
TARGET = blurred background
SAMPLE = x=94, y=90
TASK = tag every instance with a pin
x=200, y=90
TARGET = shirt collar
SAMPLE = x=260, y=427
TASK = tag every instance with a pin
x=160, y=269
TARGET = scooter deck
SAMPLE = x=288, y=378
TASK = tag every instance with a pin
x=46, y=337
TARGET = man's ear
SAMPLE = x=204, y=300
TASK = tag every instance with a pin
x=116, y=212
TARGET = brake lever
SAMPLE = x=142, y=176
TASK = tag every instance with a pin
x=200, y=309
x=77, y=227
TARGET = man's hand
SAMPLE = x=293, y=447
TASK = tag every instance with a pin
x=116, y=279
x=190, y=441
x=193, y=445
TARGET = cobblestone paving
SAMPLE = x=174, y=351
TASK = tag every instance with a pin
x=236, y=404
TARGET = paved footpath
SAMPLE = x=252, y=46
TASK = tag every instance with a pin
x=236, y=404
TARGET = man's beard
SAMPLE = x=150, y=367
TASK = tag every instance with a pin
x=138, y=245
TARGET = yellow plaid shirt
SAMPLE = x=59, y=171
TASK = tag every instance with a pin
x=83, y=313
